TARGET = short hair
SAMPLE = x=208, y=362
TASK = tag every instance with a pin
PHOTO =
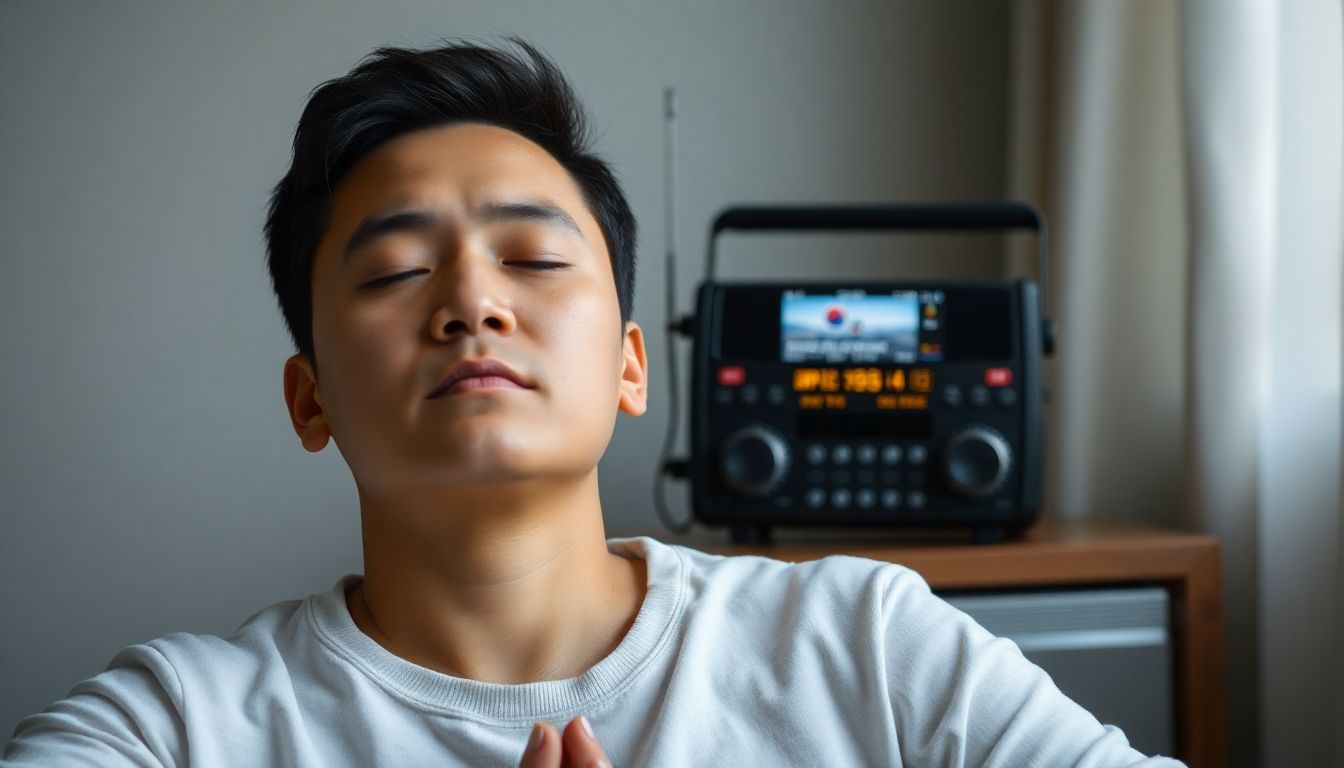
x=394, y=91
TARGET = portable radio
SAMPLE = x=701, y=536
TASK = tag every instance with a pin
x=892, y=403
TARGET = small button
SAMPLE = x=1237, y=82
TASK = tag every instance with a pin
x=865, y=476
x=891, y=498
x=891, y=455
x=865, y=498
x=750, y=394
x=816, y=476
x=917, y=500
x=840, y=498
x=732, y=375
x=891, y=476
x=998, y=377
x=917, y=454
x=841, y=454
x=979, y=396
x=915, y=478
x=866, y=454
x=723, y=396
x=952, y=395
x=840, y=477
x=775, y=394
x=814, y=498
x=1007, y=397
x=816, y=454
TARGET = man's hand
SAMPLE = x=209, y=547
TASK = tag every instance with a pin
x=576, y=748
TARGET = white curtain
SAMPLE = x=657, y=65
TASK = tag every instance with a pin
x=1189, y=157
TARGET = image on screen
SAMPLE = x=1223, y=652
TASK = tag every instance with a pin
x=849, y=327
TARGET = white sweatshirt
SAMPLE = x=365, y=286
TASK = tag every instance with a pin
x=732, y=661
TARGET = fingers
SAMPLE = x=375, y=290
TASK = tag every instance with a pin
x=544, y=748
x=581, y=745
x=577, y=747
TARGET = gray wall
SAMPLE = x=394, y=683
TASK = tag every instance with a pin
x=149, y=478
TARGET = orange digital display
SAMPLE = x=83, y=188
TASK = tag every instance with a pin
x=863, y=380
x=903, y=402
x=813, y=402
x=895, y=388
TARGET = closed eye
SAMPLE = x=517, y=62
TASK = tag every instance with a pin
x=539, y=265
x=388, y=280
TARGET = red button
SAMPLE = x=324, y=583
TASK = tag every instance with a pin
x=998, y=377
x=732, y=375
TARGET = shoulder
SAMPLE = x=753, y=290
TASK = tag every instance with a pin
x=137, y=707
x=255, y=639
x=175, y=660
x=836, y=590
x=168, y=660
x=220, y=671
x=843, y=578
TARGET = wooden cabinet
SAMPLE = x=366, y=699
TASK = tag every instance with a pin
x=1067, y=554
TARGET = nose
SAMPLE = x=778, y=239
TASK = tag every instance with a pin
x=475, y=300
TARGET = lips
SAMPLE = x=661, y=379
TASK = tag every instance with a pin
x=479, y=374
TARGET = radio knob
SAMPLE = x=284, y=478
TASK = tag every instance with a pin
x=754, y=460
x=976, y=461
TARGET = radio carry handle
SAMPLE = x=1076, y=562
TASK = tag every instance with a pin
x=990, y=215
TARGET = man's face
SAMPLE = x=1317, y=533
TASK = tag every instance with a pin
x=498, y=258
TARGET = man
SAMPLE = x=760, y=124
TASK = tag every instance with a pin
x=457, y=271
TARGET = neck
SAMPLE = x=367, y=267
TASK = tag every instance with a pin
x=504, y=584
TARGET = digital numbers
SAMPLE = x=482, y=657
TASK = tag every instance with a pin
x=905, y=402
x=921, y=380
x=833, y=402
x=863, y=380
x=816, y=380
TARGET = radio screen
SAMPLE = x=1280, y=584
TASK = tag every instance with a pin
x=854, y=326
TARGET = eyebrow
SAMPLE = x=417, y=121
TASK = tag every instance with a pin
x=378, y=225
x=542, y=211
x=418, y=220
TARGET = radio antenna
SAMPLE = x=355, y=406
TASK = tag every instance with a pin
x=670, y=183
x=671, y=328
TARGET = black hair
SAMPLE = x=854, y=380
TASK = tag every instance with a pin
x=394, y=91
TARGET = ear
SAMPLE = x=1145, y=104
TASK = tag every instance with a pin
x=304, y=401
x=635, y=372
